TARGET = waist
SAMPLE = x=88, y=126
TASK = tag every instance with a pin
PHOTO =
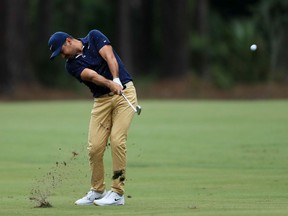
x=110, y=94
x=130, y=83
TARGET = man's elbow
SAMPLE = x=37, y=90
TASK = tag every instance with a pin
x=87, y=75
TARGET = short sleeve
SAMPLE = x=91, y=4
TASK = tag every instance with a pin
x=74, y=69
x=99, y=39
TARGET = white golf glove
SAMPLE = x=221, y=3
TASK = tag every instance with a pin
x=117, y=80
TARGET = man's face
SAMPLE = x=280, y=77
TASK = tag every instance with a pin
x=68, y=50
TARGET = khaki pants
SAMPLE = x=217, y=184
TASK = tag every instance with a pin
x=111, y=117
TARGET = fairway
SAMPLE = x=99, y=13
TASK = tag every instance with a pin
x=184, y=158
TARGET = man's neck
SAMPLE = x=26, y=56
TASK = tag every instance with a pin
x=79, y=46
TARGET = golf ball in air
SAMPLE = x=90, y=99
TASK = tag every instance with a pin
x=253, y=47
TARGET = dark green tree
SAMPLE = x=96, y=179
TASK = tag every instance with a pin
x=16, y=59
x=273, y=19
x=174, y=51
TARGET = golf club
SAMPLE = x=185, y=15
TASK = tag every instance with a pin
x=136, y=109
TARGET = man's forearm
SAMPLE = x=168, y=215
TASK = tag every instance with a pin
x=108, y=55
x=113, y=67
x=93, y=76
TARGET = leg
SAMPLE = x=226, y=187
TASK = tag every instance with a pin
x=99, y=131
x=121, y=120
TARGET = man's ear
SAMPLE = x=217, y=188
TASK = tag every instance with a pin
x=69, y=40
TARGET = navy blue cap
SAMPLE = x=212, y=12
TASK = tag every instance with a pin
x=56, y=42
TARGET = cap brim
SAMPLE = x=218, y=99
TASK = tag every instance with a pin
x=55, y=53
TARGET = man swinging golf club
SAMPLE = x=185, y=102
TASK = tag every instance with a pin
x=93, y=61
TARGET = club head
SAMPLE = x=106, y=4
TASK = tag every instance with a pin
x=138, y=109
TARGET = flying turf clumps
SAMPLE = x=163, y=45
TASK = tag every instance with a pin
x=45, y=186
x=40, y=199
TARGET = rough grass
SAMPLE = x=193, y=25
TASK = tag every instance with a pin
x=184, y=158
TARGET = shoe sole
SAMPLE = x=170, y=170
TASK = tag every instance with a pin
x=108, y=204
x=114, y=204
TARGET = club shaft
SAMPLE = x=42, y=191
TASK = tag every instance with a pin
x=130, y=104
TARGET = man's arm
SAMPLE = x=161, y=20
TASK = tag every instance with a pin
x=92, y=76
x=108, y=55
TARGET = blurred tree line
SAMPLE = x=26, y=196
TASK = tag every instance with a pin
x=157, y=39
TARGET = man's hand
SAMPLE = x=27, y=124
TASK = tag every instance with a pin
x=115, y=87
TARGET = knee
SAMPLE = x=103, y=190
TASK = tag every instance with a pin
x=95, y=151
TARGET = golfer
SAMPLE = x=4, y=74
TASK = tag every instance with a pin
x=93, y=61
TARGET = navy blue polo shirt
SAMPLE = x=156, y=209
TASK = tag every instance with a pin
x=90, y=58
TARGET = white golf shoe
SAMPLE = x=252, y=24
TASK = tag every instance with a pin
x=90, y=197
x=111, y=198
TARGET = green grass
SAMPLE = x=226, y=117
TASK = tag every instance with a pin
x=184, y=158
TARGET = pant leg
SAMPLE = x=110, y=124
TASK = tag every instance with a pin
x=121, y=120
x=99, y=131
